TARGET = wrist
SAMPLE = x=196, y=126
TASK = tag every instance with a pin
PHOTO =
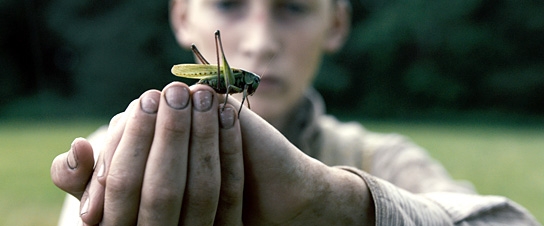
x=344, y=199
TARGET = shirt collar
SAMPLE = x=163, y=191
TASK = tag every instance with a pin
x=302, y=126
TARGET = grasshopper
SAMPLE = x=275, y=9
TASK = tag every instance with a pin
x=223, y=79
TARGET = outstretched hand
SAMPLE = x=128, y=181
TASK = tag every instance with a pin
x=170, y=164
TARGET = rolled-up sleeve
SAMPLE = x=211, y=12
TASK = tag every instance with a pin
x=396, y=206
x=409, y=187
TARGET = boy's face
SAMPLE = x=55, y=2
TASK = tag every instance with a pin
x=281, y=40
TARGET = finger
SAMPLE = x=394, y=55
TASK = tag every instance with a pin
x=115, y=132
x=71, y=170
x=125, y=174
x=229, y=210
x=166, y=169
x=203, y=182
x=92, y=202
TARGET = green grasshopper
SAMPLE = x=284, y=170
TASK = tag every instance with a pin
x=223, y=79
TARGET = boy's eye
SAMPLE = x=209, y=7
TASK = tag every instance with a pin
x=293, y=7
x=228, y=5
x=289, y=9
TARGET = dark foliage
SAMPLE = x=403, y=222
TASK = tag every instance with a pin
x=408, y=57
x=63, y=58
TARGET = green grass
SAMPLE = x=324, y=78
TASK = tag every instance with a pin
x=28, y=197
x=500, y=160
x=497, y=159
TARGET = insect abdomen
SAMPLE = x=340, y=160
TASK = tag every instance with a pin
x=212, y=82
x=238, y=83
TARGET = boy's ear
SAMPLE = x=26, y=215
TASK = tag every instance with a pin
x=178, y=22
x=340, y=26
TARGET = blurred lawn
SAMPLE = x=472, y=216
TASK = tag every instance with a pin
x=27, y=195
x=497, y=159
x=501, y=160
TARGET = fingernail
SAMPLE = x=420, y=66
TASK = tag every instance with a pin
x=227, y=117
x=85, y=207
x=177, y=97
x=149, y=103
x=202, y=100
x=100, y=170
x=72, y=158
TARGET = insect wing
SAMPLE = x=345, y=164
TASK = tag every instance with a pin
x=195, y=71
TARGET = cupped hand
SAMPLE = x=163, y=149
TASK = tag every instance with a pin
x=174, y=157
x=165, y=173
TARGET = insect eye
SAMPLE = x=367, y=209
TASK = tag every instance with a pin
x=255, y=86
x=248, y=78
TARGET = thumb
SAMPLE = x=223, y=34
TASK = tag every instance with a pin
x=71, y=171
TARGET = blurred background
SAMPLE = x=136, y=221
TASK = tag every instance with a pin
x=464, y=79
x=404, y=58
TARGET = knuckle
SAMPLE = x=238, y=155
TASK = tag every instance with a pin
x=162, y=198
x=232, y=193
x=141, y=130
x=116, y=118
x=173, y=126
x=118, y=184
x=205, y=131
x=205, y=194
x=203, y=201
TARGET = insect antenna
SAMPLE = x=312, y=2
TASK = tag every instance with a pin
x=198, y=54
x=267, y=66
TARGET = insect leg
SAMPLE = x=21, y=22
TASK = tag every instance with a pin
x=219, y=67
x=199, y=55
x=244, y=97
x=228, y=74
